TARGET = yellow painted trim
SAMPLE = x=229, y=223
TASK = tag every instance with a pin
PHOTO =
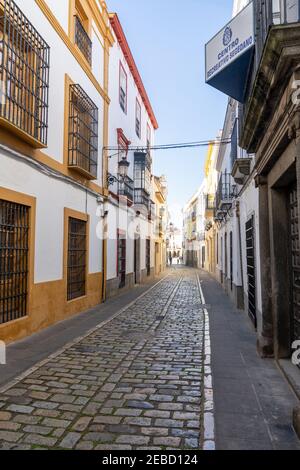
x=29, y=201
x=21, y=134
x=103, y=24
x=68, y=213
x=208, y=159
x=71, y=46
x=11, y=141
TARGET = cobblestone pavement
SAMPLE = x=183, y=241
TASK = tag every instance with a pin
x=134, y=383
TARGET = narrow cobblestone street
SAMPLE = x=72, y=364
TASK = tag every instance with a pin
x=132, y=383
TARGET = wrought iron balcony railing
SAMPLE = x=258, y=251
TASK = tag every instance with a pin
x=210, y=201
x=83, y=40
x=24, y=75
x=226, y=192
x=83, y=133
x=141, y=197
x=126, y=188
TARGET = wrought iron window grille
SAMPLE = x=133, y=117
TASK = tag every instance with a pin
x=14, y=260
x=24, y=73
x=82, y=40
x=83, y=133
x=77, y=253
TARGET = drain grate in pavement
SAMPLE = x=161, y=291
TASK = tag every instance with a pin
x=160, y=317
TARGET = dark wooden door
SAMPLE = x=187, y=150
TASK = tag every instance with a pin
x=251, y=270
x=148, y=254
x=295, y=263
x=122, y=260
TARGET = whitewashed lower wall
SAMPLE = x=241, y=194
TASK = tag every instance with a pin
x=52, y=196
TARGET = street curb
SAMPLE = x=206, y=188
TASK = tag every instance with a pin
x=37, y=366
x=208, y=438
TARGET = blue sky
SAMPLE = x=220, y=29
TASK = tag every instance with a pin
x=167, y=39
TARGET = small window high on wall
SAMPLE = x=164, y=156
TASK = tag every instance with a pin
x=138, y=118
x=123, y=89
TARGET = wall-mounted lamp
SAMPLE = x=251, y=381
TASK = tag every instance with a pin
x=123, y=166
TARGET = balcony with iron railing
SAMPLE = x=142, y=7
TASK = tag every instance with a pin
x=82, y=40
x=126, y=188
x=225, y=194
x=240, y=160
x=141, y=197
x=276, y=23
x=210, y=202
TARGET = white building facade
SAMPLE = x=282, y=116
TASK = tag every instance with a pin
x=194, y=229
x=131, y=210
x=53, y=126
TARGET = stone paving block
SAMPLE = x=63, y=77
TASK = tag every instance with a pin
x=46, y=413
x=138, y=421
x=35, y=429
x=85, y=445
x=26, y=419
x=107, y=419
x=70, y=440
x=169, y=423
x=185, y=415
x=128, y=412
x=9, y=426
x=155, y=431
x=167, y=441
x=21, y=409
x=10, y=436
x=56, y=423
x=45, y=405
x=5, y=416
x=60, y=398
x=58, y=432
x=192, y=443
x=36, y=439
x=82, y=423
x=170, y=406
x=98, y=437
x=143, y=405
x=133, y=440
x=161, y=398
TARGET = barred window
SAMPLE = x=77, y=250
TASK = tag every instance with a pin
x=138, y=118
x=77, y=253
x=24, y=74
x=82, y=39
x=83, y=133
x=14, y=247
x=123, y=89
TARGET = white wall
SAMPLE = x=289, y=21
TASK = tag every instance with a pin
x=117, y=118
x=61, y=62
x=123, y=218
x=19, y=176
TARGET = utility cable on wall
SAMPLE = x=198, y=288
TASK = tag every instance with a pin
x=204, y=143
